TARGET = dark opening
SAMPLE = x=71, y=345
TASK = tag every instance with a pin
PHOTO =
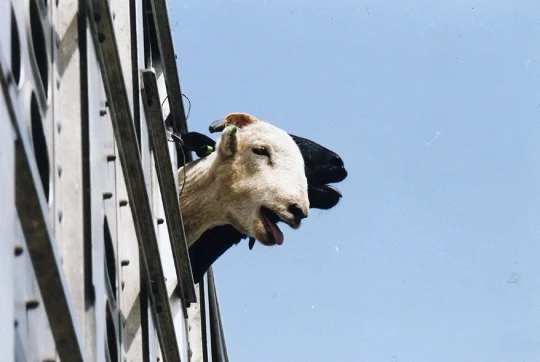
x=110, y=261
x=38, y=44
x=111, y=336
x=15, y=49
x=40, y=145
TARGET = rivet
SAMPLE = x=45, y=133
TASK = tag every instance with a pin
x=111, y=158
x=102, y=112
x=32, y=304
x=18, y=250
x=107, y=195
x=60, y=215
x=160, y=221
x=124, y=262
x=59, y=171
x=123, y=202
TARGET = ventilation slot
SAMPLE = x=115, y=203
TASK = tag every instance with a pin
x=110, y=260
x=111, y=345
x=39, y=45
x=40, y=145
x=15, y=49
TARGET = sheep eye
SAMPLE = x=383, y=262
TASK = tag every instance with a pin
x=261, y=151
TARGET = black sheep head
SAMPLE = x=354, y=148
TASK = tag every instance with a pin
x=322, y=167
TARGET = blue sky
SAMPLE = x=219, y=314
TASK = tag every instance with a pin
x=433, y=253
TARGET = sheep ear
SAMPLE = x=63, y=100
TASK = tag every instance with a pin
x=240, y=120
x=228, y=143
x=229, y=137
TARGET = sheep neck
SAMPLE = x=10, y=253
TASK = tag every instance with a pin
x=199, y=198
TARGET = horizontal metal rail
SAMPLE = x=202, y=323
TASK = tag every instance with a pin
x=169, y=193
x=38, y=232
x=101, y=24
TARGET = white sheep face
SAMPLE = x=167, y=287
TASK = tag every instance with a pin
x=261, y=171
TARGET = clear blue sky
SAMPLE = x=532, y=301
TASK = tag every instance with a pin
x=434, y=252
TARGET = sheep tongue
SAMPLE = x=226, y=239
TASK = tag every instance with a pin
x=273, y=230
x=277, y=235
x=270, y=220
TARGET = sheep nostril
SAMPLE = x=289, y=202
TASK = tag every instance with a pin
x=297, y=212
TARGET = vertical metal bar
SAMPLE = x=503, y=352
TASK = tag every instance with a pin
x=169, y=193
x=8, y=214
x=219, y=350
x=168, y=58
x=204, y=335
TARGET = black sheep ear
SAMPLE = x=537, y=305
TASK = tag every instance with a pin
x=201, y=144
x=217, y=126
x=196, y=140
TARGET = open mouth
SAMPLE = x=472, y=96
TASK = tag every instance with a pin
x=270, y=220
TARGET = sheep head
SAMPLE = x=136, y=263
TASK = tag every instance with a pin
x=262, y=178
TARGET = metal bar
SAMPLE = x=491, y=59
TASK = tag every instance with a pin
x=168, y=58
x=169, y=193
x=203, y=311
x=34, y=216
x=219, y=350
x=101, y=24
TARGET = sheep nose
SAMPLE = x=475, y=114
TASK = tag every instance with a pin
x=297, y=212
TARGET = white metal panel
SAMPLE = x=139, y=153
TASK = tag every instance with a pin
x=69, y=172
x=95, y=331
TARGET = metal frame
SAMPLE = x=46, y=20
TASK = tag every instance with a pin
x=171, y=205
x=99, y=156
x=100, y=20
